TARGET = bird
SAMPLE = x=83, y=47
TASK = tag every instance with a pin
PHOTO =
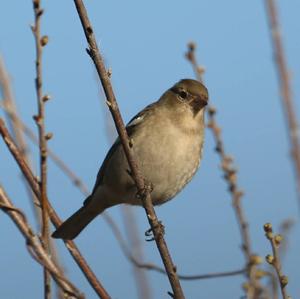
x=167, y=140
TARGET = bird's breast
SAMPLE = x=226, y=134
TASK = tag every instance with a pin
x=169, y=159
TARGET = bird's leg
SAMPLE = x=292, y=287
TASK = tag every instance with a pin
x=149, y=232
x=158, y=226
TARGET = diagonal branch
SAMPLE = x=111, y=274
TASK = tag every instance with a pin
x=35, y=246
x=143, y=190
x=86, y=270
x=130, y=224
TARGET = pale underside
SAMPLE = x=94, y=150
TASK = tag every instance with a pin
x=169, y=161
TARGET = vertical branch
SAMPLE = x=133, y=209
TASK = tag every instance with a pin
x=40, y=42
x=285, y=88
x=143, y=189
x=230, y=174
x=274, y=258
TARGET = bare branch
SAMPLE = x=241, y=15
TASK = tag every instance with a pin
x=274, y=259
x=92, y=279
x=33, y=243
x=285, y=88
x=40, y=42
x=153, y=267
x=143, y=190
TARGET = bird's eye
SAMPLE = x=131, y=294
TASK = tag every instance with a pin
x=183, y=94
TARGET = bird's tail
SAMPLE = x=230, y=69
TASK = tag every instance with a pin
x=75, y=224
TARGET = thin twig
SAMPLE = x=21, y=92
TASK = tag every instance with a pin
x=143, y=190
x=86, y=270
x=284, y=230
x=40, y=42
x=230, y=175
x=33, y=242
x=153, y=267
x=285, y=88
x=274, y=259
x=9, y=104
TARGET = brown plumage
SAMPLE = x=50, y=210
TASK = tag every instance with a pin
x=167, y=139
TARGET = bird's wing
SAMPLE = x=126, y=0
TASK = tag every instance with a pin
x=138, y=119
x=131, y=127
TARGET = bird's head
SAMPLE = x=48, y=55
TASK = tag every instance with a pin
x=190, y=93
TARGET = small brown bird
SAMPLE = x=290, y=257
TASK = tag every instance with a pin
x=167, y=138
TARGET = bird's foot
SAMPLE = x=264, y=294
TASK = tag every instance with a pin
x=159, y=229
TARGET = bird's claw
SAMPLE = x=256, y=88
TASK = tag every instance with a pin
x=159, y=227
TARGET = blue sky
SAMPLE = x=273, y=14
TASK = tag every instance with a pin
x=144, y=45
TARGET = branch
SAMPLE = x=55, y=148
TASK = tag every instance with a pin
x=40, y=42
x=285, y=89
x=150, y=266
x=92, y=279
x=274, y=259
x=35, y=247
x=143, y=190
x=129, y=219
x=230, y=175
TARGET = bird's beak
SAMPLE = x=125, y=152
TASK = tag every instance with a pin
x=198, y=102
